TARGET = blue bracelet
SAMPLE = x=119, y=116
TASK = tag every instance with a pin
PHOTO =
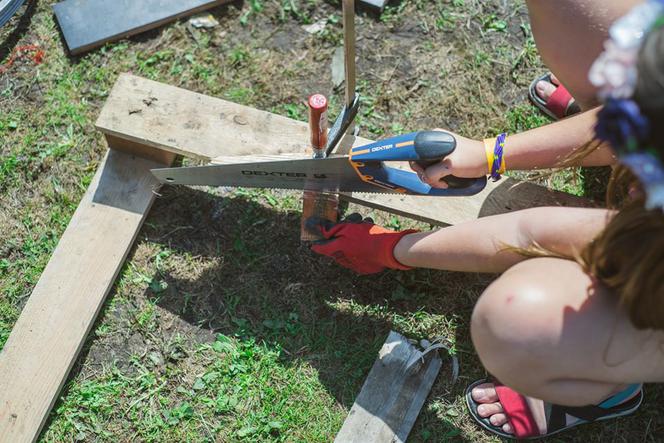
x=498, y=157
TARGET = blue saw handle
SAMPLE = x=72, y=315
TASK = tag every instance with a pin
x=423, y=147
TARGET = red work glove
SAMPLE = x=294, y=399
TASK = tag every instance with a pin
x=358, y=244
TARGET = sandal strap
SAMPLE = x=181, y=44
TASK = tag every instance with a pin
x=524, y=424
x=518, y=411
x=590, y=413
x=559, y=101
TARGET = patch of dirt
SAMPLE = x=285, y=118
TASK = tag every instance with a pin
x=128, y=343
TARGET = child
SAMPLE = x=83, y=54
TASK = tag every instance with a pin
x=577, y=316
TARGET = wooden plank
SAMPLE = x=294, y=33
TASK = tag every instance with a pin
x=499, y=197
x=194, y=125
x=391, y=397
x=57, y=317
x=87, y=24
x=176, y=120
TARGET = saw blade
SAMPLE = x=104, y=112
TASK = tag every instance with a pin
x=334, y=174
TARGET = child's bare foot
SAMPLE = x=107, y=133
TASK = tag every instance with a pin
x=490, y=407
x=545, y=89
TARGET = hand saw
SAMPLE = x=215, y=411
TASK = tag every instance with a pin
x=363, y=170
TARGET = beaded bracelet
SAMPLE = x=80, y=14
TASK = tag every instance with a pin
x=494, y=148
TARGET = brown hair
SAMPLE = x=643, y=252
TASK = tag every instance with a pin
x=628, y=258
x=628, y=255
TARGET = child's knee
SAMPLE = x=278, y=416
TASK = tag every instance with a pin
x=513, y=325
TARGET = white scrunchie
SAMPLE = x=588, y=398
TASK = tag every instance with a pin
x=614, y=72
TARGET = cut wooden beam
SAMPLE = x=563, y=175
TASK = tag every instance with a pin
x=139, y=150
x=165, y=117
x=392, y=396
x=194, y=125
x=87, y=24
x=56, y=319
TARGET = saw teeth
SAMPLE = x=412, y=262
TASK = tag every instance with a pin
x=311, y=190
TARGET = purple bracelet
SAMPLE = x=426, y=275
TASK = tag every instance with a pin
x=498, y=156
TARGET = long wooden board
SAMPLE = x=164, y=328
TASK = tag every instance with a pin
x=392, y=396
x=87, y=24
x=503, y=196
x=152, y=114
x=52, y=327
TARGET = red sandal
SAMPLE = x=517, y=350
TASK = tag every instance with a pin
x=550, y=419
x=561, y=104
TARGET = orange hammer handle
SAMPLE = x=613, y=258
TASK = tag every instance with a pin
x=318, y=124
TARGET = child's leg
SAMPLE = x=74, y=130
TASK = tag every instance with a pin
x=548, y=331
x=569, y=36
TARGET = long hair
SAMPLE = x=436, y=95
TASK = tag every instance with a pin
x=627, y=257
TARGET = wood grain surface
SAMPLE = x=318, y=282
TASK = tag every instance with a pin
x=391, y=398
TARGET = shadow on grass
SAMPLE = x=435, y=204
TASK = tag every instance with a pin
x=265, y=285
x=595, y=181
x=236, y=267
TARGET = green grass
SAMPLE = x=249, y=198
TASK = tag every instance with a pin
x=220, y=326
x=246, y=392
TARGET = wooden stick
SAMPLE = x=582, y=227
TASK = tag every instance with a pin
x=348, y=10
x=391, y=398
x=318, y=124
x=323, y=205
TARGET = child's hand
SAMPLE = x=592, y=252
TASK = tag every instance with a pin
x=357, y=243
x=467, y=161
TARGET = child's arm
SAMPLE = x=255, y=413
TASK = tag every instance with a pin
x=479, y=245
x=548, y=145
x=476, y=246
x=544, y=147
